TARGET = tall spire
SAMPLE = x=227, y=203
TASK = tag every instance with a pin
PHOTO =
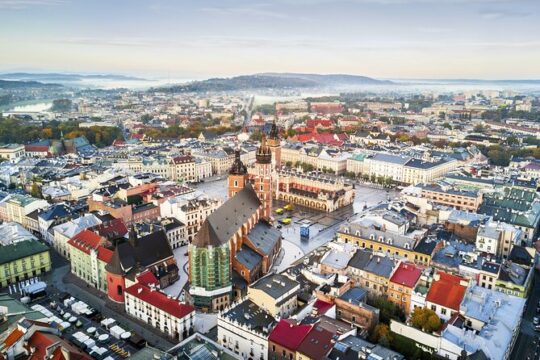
x=238, y=167
x=264, y=154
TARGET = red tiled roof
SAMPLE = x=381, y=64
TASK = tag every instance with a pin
x=85, y=241
x=40, y=341
x=317, y=344
x=104, y=254
x=88, y=240
x=160, y=301
x=146, y=278
x=111, y=229
x=447, y=291
x=289, y=335
x=319, y=122
x=36, y=148
x=406, y=274
x=322, y=306
x=12, y=338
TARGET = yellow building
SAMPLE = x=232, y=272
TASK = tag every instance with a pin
x=386, y=243
x=23, y=260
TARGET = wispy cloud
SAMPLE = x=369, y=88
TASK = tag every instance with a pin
x=434, y=30
x=254, y=10
x=499, y=14
x=129, y=42
x=23, y=4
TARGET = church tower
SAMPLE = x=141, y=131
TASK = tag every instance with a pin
x=274, y=143
x=262, y=181
x=237, y=175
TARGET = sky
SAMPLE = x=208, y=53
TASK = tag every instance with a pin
x=386, y=39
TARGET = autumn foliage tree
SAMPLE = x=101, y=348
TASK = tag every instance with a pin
x=425, y=320
x=381, y=334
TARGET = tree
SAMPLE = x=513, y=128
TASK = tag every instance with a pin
x=403, y=138
x=425, y=320
x=61, y=105
x=288, y=164
x=36, y=191
x=387, y=309
x=479, y=128
x=381, y=334
x=291, y=132
x=47, y=133
x=145, y=118
x=512, y=140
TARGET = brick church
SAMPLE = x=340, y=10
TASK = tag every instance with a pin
x=237, y=243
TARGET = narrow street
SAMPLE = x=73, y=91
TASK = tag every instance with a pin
x=99, y=303
x=527, y=346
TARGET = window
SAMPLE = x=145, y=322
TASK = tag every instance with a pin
x=433, y=307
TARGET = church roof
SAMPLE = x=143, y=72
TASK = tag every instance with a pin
x=223, y=223
x=148, y=250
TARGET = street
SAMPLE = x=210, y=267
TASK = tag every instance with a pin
x=527, y=346
x=96, y=299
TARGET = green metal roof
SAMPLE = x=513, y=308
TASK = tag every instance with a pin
x=20, y=250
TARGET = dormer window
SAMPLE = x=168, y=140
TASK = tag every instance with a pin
x=381, y=238
x=407, y=246
x=372, y=237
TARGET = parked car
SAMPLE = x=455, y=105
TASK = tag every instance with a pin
x=536, y=320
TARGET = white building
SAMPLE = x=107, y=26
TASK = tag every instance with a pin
x=12, y=232
x=176, y=232
x=244, y=328
x=12, y=152
x=64, y=232
x=159, y=310
x=190, y=209
x=497, y=238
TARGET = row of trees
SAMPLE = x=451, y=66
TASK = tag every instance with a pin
x=13, y=130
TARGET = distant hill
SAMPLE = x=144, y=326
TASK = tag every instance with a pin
x=59, y=77
x=332, y=79
x=272, y=81
x=6, y=84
